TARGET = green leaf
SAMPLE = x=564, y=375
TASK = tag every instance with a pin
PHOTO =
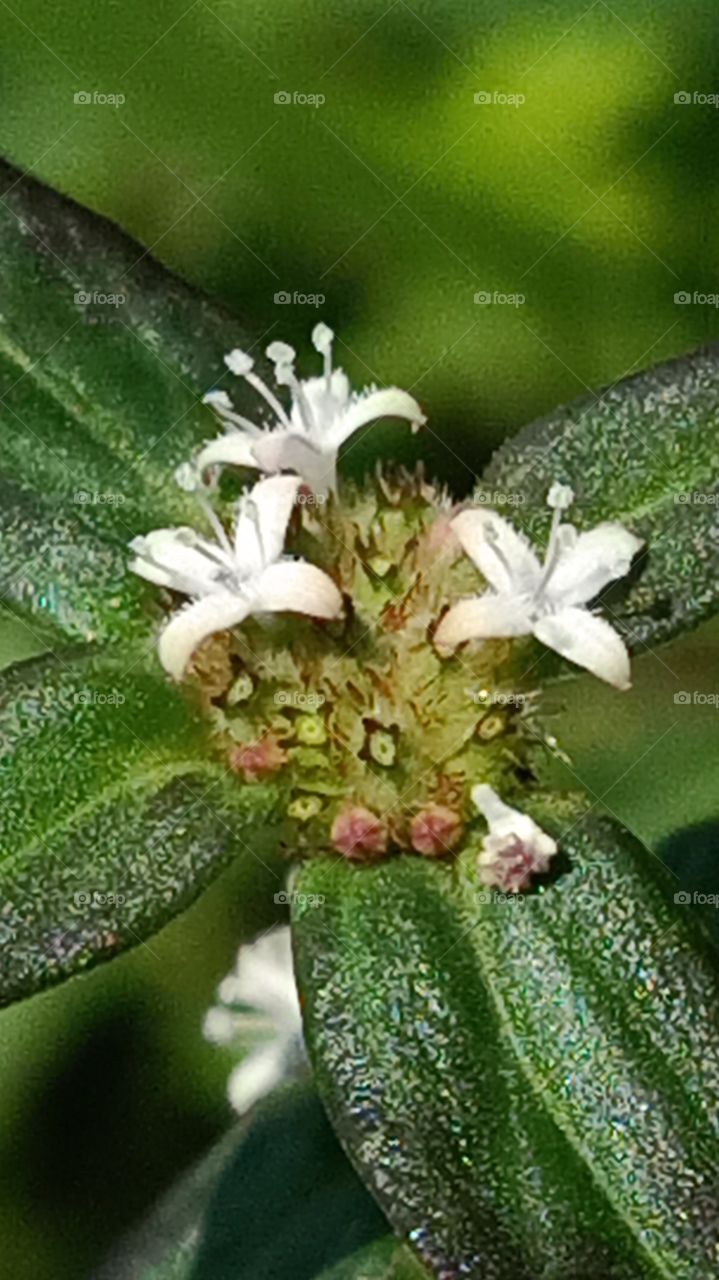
x=114, y=813
x=646, y=453
x=99, y=403
x=288, y=1203
x=529, y=1088
x=385, y=1259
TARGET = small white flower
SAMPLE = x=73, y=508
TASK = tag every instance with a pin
x=258, y=1011
x=515, y=848
x=324, y=413
x=544, y=600
x=229, y=580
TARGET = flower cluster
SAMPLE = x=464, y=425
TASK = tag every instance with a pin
x=361, y=704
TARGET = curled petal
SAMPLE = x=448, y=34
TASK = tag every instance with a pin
x=262, y=519
x=231, y=450
x=390, y=402
x=589, y=641
x=171, y=558
x=595, y=559
x=485, y=617
x=293, y=586
x=193, y=624
x=503, y=555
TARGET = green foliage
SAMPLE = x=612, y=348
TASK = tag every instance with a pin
x=385, y=1259
x=288, y=1204
x=527, y=1087
x=646, y=453
x=114, y=813
x=100, y=401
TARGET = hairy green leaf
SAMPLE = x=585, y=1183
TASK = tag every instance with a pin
x=644, y=452
x=104, y=358
x=530, y=1088
x=114, y=813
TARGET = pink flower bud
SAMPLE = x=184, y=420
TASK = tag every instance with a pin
x=259, y=759
x=435, y=830
x=359, y=834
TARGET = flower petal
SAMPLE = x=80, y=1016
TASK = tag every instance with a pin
x=231, y=450
x=484, y=617
x=171, y=558
x=293, y=451
x=262, y=519
x=390, y=402
x=257, y=1075
x=595, y=559
x=503, y=555
x=293, y=586
x=588, y=640
x=193, y=624
x=503, y=821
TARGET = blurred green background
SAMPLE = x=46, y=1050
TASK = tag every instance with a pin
x=398, y=198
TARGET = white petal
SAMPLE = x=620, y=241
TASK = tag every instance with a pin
x=503, y=821
x=326, y=404
x=503, y=555
x=293, y=451
x=193, y=624
x=589, y=641
x=231, y=450
x=265, y=979
x=596, y=558
x=259, y=1073
x=293, y=586
x=485, y=617
x=387, y=403
x=170, y=558
x=261, y=526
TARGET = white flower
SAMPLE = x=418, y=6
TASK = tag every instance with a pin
x=515, y=848
x=324, y=413
x=231, y=580
x=544, y=600
x=269, y=1029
